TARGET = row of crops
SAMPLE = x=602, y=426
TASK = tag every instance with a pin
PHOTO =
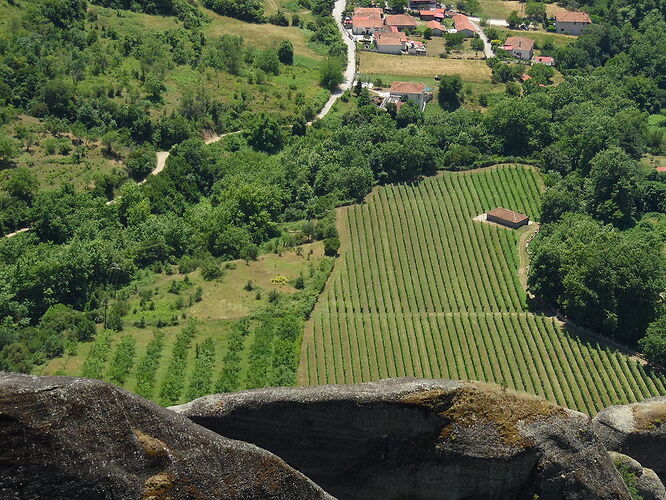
x=421, y=289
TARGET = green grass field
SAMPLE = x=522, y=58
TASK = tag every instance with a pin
x=422, y=290
x=223, y=303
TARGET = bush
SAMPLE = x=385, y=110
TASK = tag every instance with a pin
x=211, y=271
x=331, y=246
x=141, y=162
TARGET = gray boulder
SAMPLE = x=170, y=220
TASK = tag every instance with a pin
x=70, y=438
x=645, y=481
x=414, y=438
x=637, y=430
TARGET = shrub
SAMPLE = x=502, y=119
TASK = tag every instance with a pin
x=331, y=246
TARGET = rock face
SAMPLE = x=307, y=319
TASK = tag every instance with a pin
x=646, y=482
x=413, y=438
x=637, y=430
x=68, y=438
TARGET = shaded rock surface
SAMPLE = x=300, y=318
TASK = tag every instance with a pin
x=647, y=483
x=414, y=438
x=69, y=438
x=637, y=430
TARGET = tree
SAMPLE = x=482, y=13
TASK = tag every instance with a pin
x=141, y=162
x=299, y=127
x=268, y=61
x=397, y=6
x=477, y=44
x=653, y=344
x=409, y=113
x=8, y=149
x=541, y=73
x=514, y=20
x=613, y=187
x=450, y=92
x=22, y=184
x=286, y=52
x=454, y=40
x=427, y=33
x=330, y=73
x=265, y=134
x=331, y=246
x=58, y=96
x=536, y=11
x=154, y=86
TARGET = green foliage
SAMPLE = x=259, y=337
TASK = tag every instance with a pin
x=141, y=162
x=123, y=360
x=331, y=246
x=94, y=365
x=147, y=367
x=245, y=10
x=330, y=73
x=229, y=378
x=8, y=148
x=265, y=134
x=514, y=20
x=450, y=94
x=286, y=52
x=653, y=345
x=174, y=382
x=200, y=384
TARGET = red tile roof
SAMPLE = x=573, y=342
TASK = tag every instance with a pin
x=462, y=22
x=508, y=215
x=368, y=11
x=544, y=59
x=525, y=78
x=572, y=17
x=440, y=13
x=519, y=43
x=390, y=38
x=367, y=22
x=435, y=25
x=661, y=169
x=400, y=20
x=407, y=88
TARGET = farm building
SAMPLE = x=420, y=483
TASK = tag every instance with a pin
x=401, y=21
x=414, y=92
x=464, y=25
x=437, y=28
x=572, y=23
x=548, y=61
x=432, y=15
x=520, y=47
x=507, y=218
x=422, y=4
x=391, y=43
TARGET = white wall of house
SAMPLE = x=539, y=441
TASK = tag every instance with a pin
x=522, y=54
x=418, y=99
x=358, y=30
x=389, y=49
x=570, y=28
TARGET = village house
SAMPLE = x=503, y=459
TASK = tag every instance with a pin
x=572, y=23
x=422, y=4
x=367, y=21
x=437, y=28
x=463, y=25
x=415, y=48
x=401, y=21
x=432, y=15
x=520, y=47
x=407, y=91
x=507, y=218
x=390, y=43
x=548, y=61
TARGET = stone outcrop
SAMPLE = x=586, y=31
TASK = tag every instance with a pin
x=413, y=438
x=69, y=438
x=637, y=430
x=647, y=483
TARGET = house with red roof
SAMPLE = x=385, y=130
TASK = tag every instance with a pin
x=408, y=91
x=572, y=23
x=463, y=25
x=432, y=15
x=367, y=21
x=508, y=218
x=437, y=28
x=401, y=21
x=391, y=43
x=548, y=61
x=520, y=47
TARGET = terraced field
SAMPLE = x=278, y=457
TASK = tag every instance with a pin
x=420, y=289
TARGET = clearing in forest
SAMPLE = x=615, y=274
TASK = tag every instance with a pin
x=420, y=289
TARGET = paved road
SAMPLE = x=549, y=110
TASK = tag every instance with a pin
x=492, y=22
x=350, y=71
x=487, y=46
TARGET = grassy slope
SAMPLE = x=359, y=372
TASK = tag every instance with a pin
x=224, y=302
x=422, y=290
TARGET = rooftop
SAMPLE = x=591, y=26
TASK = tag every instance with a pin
x=391, y=38
x=544, y=59
x=435, y=25
x=572, y=17
x=519, y=43
x=367, y=22
x=400, y=20
x=508, y=215
x=407, y=88
x=368, y=11
x=462, y=22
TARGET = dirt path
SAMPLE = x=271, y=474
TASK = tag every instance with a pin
x=523, y=256
x=487, y=46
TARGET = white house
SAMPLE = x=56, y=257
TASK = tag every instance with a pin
x=391, y=42
x=520, y=47
x=572, y=23
x=414, y=92
x=367, y=21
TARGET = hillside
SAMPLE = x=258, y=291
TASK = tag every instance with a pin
x=423, y=290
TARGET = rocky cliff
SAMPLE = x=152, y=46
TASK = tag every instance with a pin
x=68, y=438
x=412, y=438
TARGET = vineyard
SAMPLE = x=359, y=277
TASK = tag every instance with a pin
x=421, y=289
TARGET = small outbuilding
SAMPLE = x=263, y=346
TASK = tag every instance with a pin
x=507, y=218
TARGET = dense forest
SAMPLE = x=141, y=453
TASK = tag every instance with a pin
x=599, y=257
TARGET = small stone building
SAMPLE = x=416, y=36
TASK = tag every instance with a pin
x=507, y=218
